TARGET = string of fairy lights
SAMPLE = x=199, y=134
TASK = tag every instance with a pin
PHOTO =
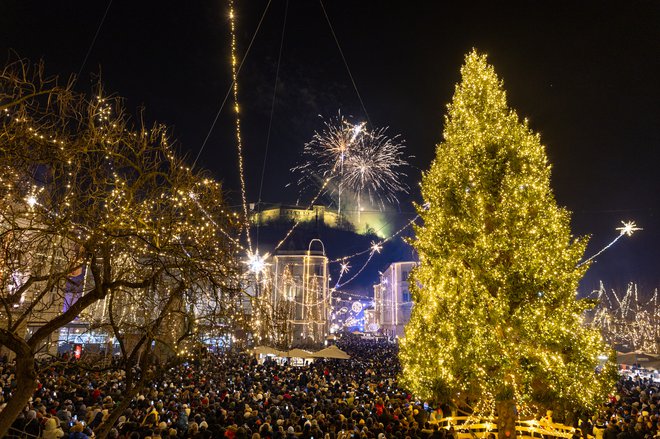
x=121, y=208
x=627, y=229
x=629, y=319
x=239, y=141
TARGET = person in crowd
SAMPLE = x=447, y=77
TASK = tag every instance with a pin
x=52, y=429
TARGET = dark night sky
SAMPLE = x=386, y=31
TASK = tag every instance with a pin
x=586, y=74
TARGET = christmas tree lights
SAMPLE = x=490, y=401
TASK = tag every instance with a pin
x=496, y=323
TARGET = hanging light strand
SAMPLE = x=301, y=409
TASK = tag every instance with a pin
x=239, y=141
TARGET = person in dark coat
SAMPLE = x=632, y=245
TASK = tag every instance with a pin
x=612, y=430
x=32, y=427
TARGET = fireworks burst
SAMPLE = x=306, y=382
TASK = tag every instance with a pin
x=365, y=163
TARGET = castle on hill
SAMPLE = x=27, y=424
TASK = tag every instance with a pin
x=362, y=222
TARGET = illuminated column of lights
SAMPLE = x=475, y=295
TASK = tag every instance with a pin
x=395, y=295
x=305, y=297
x=276, y=285
x=326, y=296
x=239, y=142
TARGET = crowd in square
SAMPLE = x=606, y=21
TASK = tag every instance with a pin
x=232, y=395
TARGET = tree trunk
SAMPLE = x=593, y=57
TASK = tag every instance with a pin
x=507, y=415
x=26, y=383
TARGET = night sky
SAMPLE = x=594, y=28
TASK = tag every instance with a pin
x=586, y=75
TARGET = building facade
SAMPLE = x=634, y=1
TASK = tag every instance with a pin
x=300, y=296
x=392, y=300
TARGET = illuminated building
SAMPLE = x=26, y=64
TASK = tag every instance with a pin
x=25, y=313
x=300, y=296
x=370, y=320
x=392, y=300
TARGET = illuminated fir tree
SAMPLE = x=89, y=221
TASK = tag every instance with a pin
x=496, y=324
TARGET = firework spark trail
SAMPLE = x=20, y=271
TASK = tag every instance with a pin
x=366, y=162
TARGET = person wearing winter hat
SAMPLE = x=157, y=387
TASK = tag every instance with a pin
x=121, y=421
x=76, y=432
x=52, y=429
x=193, y=428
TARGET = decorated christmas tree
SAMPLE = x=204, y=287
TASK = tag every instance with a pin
x=496, y=326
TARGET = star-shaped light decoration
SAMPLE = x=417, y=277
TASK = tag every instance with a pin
x=628, y=228
x=31, y=200
x=376, y=247
x=256, y=263
x=345, y=266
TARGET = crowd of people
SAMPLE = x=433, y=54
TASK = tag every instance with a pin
x=633, y=411
x=233, y=396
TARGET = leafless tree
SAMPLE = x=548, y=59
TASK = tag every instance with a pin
x=98, y=213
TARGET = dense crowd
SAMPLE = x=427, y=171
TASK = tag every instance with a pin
x=633, y=411
x=233, y=396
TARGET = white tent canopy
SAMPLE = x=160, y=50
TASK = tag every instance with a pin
x=298, y=353
x=332, y=352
